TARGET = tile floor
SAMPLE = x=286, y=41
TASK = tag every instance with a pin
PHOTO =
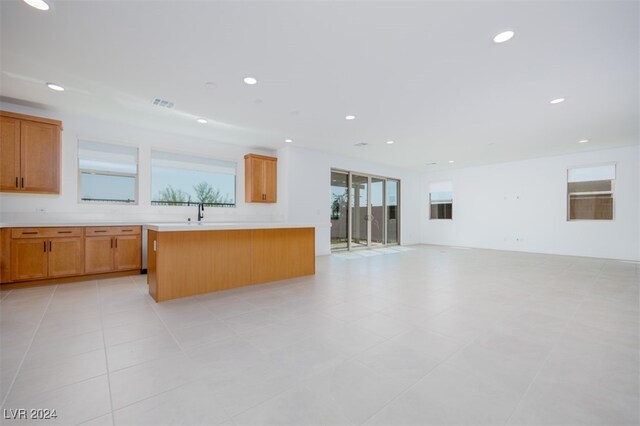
x=427, y=336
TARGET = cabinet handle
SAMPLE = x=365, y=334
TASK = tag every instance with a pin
x=99, y=231
x=23, y=182
x=16, y=182
x=116, y=242
x=64, y=232
x=29, y=232
x=44, y=244
x=127, y=230
x=49, y=245
x=111, y=242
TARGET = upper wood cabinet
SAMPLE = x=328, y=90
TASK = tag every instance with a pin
x=29, y=154
x=260, y=178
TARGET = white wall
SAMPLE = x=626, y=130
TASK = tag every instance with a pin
x=305, y=187
x=16, y=208
x=522, y=206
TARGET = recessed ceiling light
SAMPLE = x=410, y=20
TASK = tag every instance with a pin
x=55, y=87
x=451, y=161
x=288, y=140
x=201, y=121
x=210, y=85
x=38, y=4
x=390, y=142
x=349, y=117
x=583, y=141
x=557, y=101
x=360, y=144
x=503, y=36
x=250, y=80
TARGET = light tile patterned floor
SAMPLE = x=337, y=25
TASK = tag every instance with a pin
x=430, y=335
x=359, y=254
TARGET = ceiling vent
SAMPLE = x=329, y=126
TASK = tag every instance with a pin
x=360, y=144
x=162, y=103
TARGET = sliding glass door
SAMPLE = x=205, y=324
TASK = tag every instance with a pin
x=339, y=210
x=376, y=215
x=359, y=211
x=392, y=211
x=372, y=217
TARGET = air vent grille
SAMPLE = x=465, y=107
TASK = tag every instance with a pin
x=162, y=103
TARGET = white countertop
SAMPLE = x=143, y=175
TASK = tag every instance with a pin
x=220, y=226
x=168, y=226
x=65, y=224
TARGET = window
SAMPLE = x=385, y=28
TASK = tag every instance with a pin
x=441, y=200
x=107, y=173
x=590, y=192
x=183, y=180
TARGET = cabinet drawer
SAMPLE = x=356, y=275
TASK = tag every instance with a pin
x=95, y=231
x=45, y=232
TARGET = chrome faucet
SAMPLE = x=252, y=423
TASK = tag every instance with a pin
x=200, y=211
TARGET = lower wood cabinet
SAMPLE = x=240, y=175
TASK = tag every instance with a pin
x=29, y=259
x=49, y=252
x=34, y=258
x=110, y=249
x=127, y=254
x=98, y=254
x=65, y=257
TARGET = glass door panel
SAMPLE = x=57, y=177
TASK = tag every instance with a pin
x=339, y=210
x=364, y=211
x=359, y=211
x=377, y=212
x=392, y=194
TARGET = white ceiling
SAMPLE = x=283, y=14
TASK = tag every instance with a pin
x=425, y=74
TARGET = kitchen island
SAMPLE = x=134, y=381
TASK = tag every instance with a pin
x=195, y=258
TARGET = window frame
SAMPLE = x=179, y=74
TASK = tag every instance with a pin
x=107, y=173
x=190, y=204
x=431, y=201
x=612, y=192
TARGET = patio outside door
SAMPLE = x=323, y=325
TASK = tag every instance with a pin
x=359, y=211
x=372, y=215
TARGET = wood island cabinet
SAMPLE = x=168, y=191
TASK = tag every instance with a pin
x=260, y=178
x=189, y=262
x=29, y=154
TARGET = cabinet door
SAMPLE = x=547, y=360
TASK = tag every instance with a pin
x=28, y=258
x=40, y=157
x=98, y=254
x=128, y=251
x=9, y=154
x=257, y=181
x=65, y=256
x=270, y=180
